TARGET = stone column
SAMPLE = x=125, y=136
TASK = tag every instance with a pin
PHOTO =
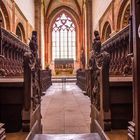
x=89, y=26
x=38, y=9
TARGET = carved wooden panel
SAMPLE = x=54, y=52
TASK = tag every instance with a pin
x=11, y=52
x=81, y=79
x=32, y=88
x=46, y=79
x=100, y=106
x=118, y=48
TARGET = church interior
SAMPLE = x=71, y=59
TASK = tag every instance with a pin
x=69, y=70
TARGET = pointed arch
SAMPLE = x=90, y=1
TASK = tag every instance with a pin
x=20, y=31
x=63, y=9
x=48, y=25
x=63, y=37
x=2, y=19
x=78, y=6
x=123, y=15
x=106, y=31
x=5, y=15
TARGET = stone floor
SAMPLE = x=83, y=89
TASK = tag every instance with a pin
x=65, y=110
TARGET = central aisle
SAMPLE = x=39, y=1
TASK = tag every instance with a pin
x=65, y=110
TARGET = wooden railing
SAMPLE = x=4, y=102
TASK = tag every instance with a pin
x=81, y=79
x=118, y=48
x=46, y=79
x=11, y=54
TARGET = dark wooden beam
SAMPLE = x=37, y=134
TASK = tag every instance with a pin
x=136, y=71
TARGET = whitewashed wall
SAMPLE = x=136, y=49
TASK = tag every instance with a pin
x=27, y=8
x=98, y=9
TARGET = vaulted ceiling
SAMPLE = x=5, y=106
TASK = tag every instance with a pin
x=76, y=5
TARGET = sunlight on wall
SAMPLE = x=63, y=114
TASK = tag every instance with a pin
x=27, y=8
x=99, y=7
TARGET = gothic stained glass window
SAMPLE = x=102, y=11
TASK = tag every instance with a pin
x=63, y=38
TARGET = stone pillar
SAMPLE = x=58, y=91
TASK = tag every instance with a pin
x=13, y=28
x=38, y=9
x=89, y=26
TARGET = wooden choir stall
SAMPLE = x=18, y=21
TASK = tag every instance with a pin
x=20, y=85
x=113, y=79
x=109, y=82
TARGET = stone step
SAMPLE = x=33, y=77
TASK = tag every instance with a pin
x=88, y=136
x=61, y=79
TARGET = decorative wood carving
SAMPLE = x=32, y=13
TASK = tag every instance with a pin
x=2, y=70
x=11, y=53
x=28, y=91
x=99, y=63
x=89, y=82
x=81, y=79
x=46, y=79
x=82, y=58
x=32, y=87
x=118, y=48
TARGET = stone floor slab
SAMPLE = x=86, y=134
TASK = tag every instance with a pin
x=65, y=110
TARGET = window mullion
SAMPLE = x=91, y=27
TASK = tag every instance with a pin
x=64, y=45
x=60, y=43
x=67, y=44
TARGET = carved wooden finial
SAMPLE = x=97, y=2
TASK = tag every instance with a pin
x=97, y=42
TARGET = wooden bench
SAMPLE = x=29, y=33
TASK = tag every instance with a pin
x=11, y=103
x=11, y=80
x=109, y=84
x=121, y=101
x=20, y=84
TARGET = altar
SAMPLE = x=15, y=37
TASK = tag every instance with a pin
x=64, y=66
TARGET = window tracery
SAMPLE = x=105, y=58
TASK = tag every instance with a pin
x=63, y=38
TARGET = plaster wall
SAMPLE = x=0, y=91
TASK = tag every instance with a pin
x=28, y=9
x=99, y=7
